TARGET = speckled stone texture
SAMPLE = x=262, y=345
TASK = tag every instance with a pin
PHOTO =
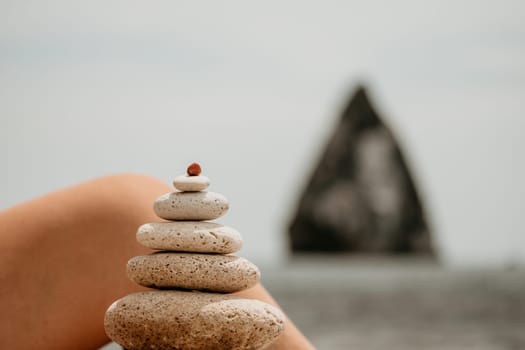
x=191, y=183
x=191, y=321
x=191, y=206
x=190, y=236
x=191, y=273
x=210, y=272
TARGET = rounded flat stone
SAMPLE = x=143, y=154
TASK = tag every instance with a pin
x=191, y=206
x=191, y=183
x=192, y=321
x=210, y=272
x=190, y=236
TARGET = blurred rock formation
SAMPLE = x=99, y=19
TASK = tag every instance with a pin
x=361, y=197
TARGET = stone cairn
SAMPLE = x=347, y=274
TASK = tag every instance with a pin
x=191, y=273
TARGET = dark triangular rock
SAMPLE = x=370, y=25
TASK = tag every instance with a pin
x=361, y=196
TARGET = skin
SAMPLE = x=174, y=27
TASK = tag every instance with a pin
x=63, y=263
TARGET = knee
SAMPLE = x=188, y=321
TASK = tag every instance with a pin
x=125, y=195
x=107, y=205
x=131, y=186
x=122, y=197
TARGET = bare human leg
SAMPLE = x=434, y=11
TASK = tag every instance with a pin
x=63, y=263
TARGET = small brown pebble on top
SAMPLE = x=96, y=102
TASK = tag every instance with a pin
x=194, y=169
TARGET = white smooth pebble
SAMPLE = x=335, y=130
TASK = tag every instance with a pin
x=191, y=206
x=190, y=236
x=191, y=183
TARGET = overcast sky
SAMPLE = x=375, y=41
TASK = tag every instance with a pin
x=252, y=90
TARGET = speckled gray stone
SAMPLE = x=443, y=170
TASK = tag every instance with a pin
x=191, y=206
x=190, y=236
x=210, y=272
x=165, y=320
x=191, y=183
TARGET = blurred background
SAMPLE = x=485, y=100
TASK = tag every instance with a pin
x=255, y=92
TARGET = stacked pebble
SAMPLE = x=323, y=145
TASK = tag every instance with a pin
x=191, y=271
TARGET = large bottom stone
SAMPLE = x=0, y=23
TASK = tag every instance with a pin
x=191, y=320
